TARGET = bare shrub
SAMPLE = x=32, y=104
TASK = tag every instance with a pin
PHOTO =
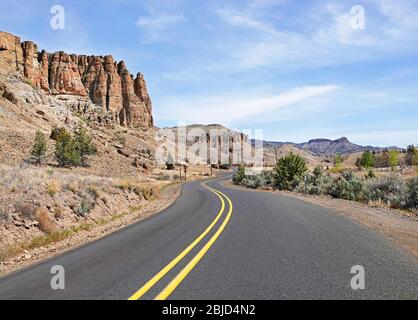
x=5, y=215
x=58, y=213
x=26, y=210
x=45, y=223
x=53, y=187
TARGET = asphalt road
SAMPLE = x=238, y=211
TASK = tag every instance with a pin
x=264, y=246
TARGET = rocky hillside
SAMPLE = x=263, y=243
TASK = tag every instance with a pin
x=43, y=91
x=97, y=80
x=219, y=139
x=327, y=147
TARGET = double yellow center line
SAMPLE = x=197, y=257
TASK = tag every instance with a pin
x=196, y=259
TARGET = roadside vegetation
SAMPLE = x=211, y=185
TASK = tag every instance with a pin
x=291, y=174
x=71, y=149
x=41, y=206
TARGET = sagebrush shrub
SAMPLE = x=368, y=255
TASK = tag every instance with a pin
x=412, y=197
x=349, y=187
x=239, y=175
x=252, y=182
x=316, y=184
x=391, y=190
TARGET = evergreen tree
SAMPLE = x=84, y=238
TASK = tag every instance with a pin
x=239, y=175
x=393, y=159
x=40, y=146
x=412, y=156
x=66, y=152
x=338, y=162
x=367, y=160
x=84, y=144
x=289, y=171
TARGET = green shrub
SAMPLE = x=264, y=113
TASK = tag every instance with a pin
x=316, y=185
x=348, y=186
x=370, y=174
x=84, y=144
x=40, y=146
x=88, y=201
x=289, y=171
x=66, y=152
x=389, y=189
x=318, y=171
x=239, y=176
x=86, y=205
x=393, y=159
x=412, y=198
x=338, y=162
x=367, y=160
x=267, y=178
x=252, y=182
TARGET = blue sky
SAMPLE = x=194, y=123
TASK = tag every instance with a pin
x=294, y=68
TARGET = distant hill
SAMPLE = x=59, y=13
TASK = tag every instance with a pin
x=327, y=147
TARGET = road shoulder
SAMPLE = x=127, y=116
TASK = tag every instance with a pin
x=169, y=195
x=393, y=224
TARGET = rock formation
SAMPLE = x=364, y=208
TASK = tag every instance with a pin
x=105, y=82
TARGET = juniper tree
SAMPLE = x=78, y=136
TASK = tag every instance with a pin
x=66, y=152
x=84, y=144
x=40, y=146
x=393, y=159
x=289, y=171
x=367, y=160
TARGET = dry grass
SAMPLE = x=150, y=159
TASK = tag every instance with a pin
x=45, y=223
x=29, y=179
x=147, y=192
x=57, y=236
x=26, y=210
x=5, y=215
x=53, y=187
x=58, y=213
x=73, y=193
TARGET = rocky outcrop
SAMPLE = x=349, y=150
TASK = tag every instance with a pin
x=35, y=65
x=102, y=80
x=141, y=91
x=64, y=76
x=11, y=53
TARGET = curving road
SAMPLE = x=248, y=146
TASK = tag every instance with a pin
x=221, y=243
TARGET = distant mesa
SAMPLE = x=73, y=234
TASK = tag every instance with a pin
x=326, y=147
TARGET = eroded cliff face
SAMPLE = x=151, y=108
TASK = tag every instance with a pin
x=101, y=79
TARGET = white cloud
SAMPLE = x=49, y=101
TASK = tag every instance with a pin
x=237, y=18
x=231, y=109
x=323, y=38
x=159, y=28
x=159, y=22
